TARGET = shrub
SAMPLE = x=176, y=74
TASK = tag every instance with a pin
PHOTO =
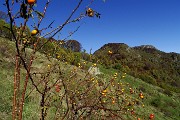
x=156, y=102
x=167, y=92
x=117, y=66
x=148, y=79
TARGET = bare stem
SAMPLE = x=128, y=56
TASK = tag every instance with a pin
x=15, y=90
x=25, y=87
x=45, y=8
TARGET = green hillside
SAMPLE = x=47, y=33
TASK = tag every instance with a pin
x=105, y=96
x=144, y=62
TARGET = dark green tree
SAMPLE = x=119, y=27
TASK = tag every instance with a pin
x=73, y=45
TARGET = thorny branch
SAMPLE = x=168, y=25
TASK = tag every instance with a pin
x=68, y=18
x=45, y=8
x=46, y=89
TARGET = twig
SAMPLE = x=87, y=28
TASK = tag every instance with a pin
x=45, y=8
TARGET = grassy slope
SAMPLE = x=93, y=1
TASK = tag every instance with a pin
x=6, y=78
x=156, y=101
x=164, y=107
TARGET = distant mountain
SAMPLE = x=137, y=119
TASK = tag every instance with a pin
x=145, y=62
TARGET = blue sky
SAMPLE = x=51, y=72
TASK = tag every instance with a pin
x=134, y=22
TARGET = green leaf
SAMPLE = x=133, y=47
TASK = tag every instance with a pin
x=39, y=13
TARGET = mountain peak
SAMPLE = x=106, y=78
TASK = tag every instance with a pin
x=146, y=47
x=116, y=44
